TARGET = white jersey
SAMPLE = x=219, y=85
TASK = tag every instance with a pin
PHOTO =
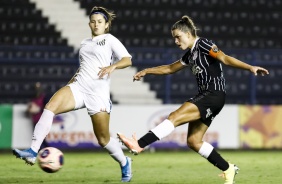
x=100, y=51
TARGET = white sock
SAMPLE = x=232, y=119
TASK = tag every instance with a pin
x=115, y=151
x=42, y=129
x=163, y=129
x=206, y=150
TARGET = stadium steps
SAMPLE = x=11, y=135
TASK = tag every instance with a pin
x=73, y=25
x=125, y=91
x=72, y=22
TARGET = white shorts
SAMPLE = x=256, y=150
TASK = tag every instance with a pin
x=93, y=103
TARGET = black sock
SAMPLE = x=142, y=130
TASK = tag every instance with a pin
x=218, y=161
x=147, y=139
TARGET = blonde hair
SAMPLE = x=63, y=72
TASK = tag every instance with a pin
x=185, y=24
x=108, y=15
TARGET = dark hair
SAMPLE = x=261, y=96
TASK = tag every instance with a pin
x=107, y=14
x=186, y=24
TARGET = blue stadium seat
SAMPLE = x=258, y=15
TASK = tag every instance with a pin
x=247, y=30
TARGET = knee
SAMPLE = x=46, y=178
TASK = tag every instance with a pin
x=48, y=106
x=51, y=106
x=103, y=141
x=193, y=144
x=173, y=118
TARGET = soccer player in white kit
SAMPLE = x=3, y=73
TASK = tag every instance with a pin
x=90, y=88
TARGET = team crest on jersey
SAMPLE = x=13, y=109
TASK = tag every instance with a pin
x=101, y=43
x=196, y=69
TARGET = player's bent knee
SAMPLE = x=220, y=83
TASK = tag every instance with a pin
x=193, y=144
x=102, y=141
x=51, y=105
x=173, y=118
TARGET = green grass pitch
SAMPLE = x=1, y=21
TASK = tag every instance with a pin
x=148, y=168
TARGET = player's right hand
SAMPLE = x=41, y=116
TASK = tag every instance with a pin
x=139, y=75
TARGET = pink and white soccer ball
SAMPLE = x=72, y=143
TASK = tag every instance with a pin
x=50, y=159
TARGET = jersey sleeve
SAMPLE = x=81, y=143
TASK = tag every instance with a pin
x=184, y=59
x=119, y=49
x=207, y=47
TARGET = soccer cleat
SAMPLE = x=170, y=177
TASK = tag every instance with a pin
x=131, y=144
x=28, y=155
x=126, y=172
x=230, y=173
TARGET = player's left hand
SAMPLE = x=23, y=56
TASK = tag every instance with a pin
x=259, y=70
x=106, y=71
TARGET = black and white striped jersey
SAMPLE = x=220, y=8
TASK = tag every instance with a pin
x=201, y=59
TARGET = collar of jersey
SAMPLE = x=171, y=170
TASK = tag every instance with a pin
x=194, y=44
x=97, y=37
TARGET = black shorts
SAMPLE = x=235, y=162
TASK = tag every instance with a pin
x=209, y=104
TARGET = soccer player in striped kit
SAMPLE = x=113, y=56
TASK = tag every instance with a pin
x=90, y=88
x=204, y=60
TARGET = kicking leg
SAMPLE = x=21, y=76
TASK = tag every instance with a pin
x=62, y=101
x=186, y=113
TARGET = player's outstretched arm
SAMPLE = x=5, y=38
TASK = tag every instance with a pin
x=231, y=61
x=159, y=70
